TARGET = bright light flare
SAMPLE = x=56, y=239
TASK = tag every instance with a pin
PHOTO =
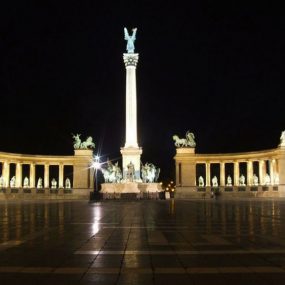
x=96, y=165
x=96, y=162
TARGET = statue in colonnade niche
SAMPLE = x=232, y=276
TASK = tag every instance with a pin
x=53, y=183
x=2, y=182
x=255, y=180
x=188, y=141
x=130, y=40
x=276, y=179
x=229, y=181
x=40, y=183
x=215, y=181
x=201, y=181
x=13, y=182
x=242, y=180
x=267, y=179
x=78, y=144
x=150, y=173
x=67, y=183
x=26, y=182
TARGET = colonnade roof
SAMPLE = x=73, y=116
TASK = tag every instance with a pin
x=39, y=159
x=184, y=154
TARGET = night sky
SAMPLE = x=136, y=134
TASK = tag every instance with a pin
x=215, y=69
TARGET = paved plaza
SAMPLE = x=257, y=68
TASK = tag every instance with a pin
x=143, y=242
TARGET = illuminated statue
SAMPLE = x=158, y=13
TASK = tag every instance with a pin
x=215, y=181
x=267, y=179
x=40, y=183
x=26, y=182
x=53, y=183
x=201, y=181
x=130, y=40
x=77, y=144
x=88, y=143
x=242, y=180
x=67, y=183
x=130, y=172
x=229, y=181
x=188, y=141
x=276, y=179
x=13, y=182
x=113, y=173
x=282, y=139
x=255, y=180
x=150, y=173
x=77, y=141
x=2, y=182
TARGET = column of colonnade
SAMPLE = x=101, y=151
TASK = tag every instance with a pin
x=32, y=176
x=262, y=171
x=222, y=174
x=236, y=173
x=261, y=166
x=6, y=172
x=46, y=176
x=208, y=174
x=249, y=173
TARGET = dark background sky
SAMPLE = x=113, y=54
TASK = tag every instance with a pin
x=215, y=69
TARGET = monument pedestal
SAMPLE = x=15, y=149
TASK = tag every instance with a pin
x=131, y=154
x=130, y=187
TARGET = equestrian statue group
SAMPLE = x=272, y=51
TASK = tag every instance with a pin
x=78, y=144
x=188, y=141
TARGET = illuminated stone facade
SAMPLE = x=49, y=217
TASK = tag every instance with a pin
x=79, y=173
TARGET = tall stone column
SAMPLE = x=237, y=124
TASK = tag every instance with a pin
x=274, y=171
x=281, y=167
x=18, y=175
x=236, y=173
x=208, y=174
x=222, y=174
x=261, y=172
x=249, y=173
x=6, y=173
x=271, y=171
x=46, y=176
x=60, y=176
x=131, y=152
x=32, y=175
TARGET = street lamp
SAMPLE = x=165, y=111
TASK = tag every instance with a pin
x=96, y=166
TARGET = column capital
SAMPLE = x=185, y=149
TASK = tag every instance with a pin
x=131, y=59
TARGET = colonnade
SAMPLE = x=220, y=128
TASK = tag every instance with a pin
x=7, y=175
x=266, y=168
x=80, y=174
